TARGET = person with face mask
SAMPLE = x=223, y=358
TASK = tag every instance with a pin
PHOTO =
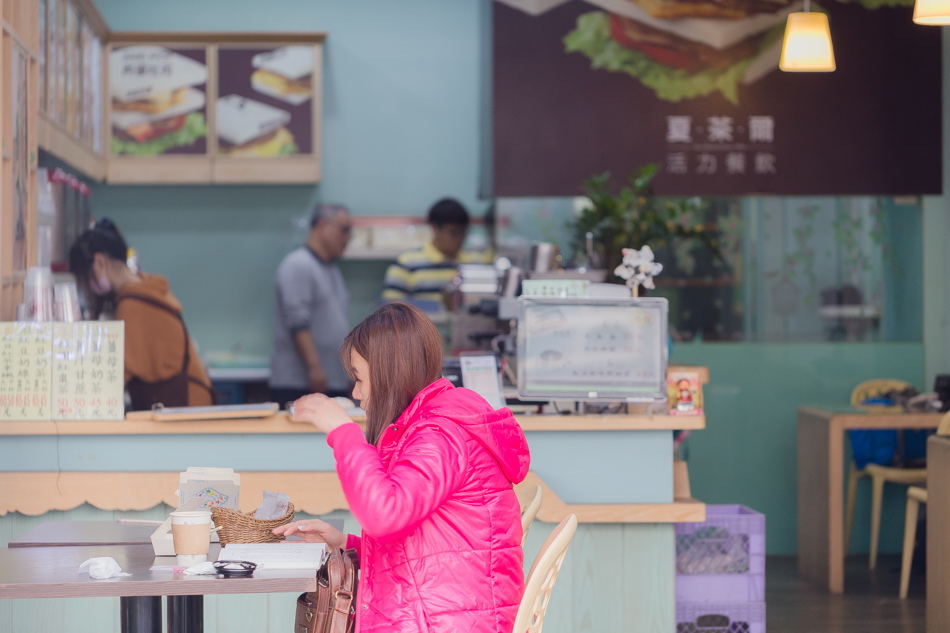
x=161, y=362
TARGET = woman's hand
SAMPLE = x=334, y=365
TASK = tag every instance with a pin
x=314, y=531
x=320, y=411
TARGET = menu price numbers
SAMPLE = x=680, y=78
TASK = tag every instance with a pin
x=25, y=350
x=89, y=370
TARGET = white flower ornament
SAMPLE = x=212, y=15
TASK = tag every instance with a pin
x=638, y=267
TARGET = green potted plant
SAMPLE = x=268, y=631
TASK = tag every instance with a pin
x=633, y=218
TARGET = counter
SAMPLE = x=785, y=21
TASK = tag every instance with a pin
x=613, y=471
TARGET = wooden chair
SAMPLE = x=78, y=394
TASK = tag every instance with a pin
x=944, y=427
x=915, y=496
x=530, y=500
x=878, y=474
x=540, y=582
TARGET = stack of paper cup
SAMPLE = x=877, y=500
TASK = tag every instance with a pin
x=38, y=294
x=66, y=302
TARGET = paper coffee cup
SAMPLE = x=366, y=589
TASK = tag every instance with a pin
x=191, y=532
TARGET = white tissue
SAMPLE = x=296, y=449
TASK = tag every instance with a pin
x=273, y=506
x=201, y=569
x=104, y=567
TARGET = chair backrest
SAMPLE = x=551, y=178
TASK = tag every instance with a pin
x=530, y=500
x=944, y=427
x=874, y=388
x=540, y=582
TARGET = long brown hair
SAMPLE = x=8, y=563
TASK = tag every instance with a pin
x=404, y=352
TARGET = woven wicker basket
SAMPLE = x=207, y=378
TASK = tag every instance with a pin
x=237, y=527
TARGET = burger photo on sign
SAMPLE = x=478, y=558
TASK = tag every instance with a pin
x=683, y=49
x=156, y=107
x=284, y=73
x=250, y=128
x=680, y=49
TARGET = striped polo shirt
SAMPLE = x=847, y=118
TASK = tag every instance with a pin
x=420, y=274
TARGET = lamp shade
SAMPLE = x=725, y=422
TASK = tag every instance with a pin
x=932, y=12
x=807, y=44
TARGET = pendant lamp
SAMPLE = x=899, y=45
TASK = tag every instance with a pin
x=932, y=12
x=807, y=45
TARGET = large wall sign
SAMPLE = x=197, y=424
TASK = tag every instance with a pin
x=581, y=88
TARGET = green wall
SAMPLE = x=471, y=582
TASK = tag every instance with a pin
x=748, y=452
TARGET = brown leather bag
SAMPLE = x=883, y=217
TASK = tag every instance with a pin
x=331, y=608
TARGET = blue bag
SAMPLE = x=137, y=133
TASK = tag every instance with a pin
x=873, y=446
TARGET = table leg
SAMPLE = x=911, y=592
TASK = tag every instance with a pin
x=141, y=614
x=836, y=551
x=186, y=614
x=814, y=504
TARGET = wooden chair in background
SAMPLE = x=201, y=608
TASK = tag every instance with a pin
x=915, y=496
x=878, y=474
x=540, y=581
x=530, y=500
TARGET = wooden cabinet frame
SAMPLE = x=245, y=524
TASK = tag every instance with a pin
x=17, y=222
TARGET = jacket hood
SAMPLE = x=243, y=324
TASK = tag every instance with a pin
x=152, y=287
x=497, y=431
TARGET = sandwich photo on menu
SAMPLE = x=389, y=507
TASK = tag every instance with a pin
x=284, y=73
x=157, y=107
x=682, y=49
x=250, y=128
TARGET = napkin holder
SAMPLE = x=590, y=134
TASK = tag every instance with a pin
x=215, y=487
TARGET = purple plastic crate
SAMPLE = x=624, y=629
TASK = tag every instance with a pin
x=707, y=617
x=723, y=558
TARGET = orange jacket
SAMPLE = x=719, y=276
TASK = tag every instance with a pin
x=154, y=338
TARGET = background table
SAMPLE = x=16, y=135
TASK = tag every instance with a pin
x=51, y=572
x=821, y=471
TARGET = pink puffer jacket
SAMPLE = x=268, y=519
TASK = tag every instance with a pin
x=441, y=543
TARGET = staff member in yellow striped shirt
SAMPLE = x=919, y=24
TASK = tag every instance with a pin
x=419, y=275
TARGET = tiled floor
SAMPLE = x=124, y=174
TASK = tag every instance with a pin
x=869, y=604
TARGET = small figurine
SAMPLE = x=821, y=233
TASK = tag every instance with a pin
x=684, y=396
x=684, y=393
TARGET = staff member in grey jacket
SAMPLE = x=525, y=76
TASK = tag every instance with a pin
x=311, y=319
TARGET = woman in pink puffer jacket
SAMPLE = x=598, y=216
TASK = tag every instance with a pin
x=430, y=483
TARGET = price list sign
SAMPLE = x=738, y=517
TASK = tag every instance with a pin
x=25, y=370
x=88, y=377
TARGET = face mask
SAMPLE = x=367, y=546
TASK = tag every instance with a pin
x=100, y=286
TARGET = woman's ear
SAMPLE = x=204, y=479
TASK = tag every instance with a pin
x=100, y=261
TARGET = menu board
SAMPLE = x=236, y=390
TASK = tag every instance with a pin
x=158, y=100
x=593, y=349
x=88, y=370
x=25, y=370
x=264, y=101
